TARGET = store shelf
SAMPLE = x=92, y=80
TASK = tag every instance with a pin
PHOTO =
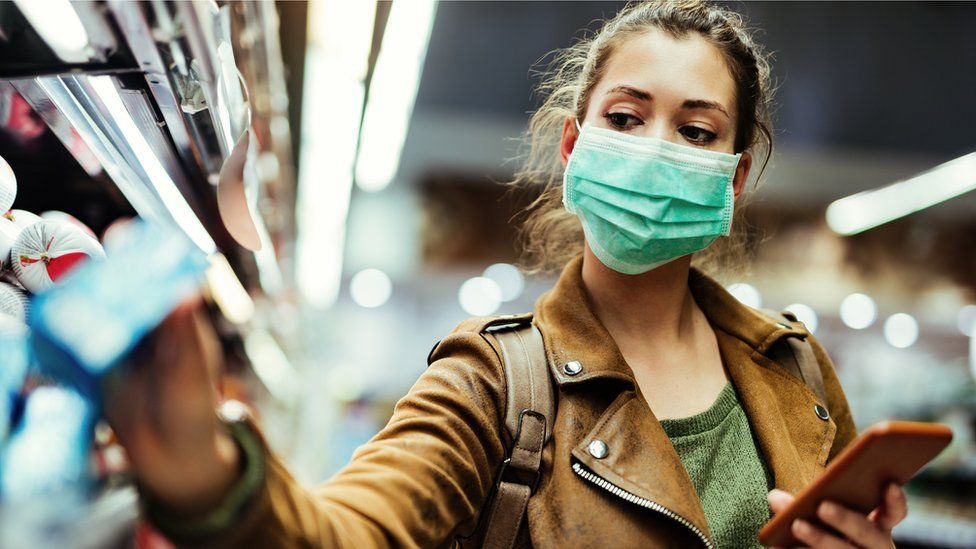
x=152, y=119
x=160, y=109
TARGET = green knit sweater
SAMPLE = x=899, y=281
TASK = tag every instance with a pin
x=727, y=469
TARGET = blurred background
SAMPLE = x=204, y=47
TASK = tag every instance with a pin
x=381, y=134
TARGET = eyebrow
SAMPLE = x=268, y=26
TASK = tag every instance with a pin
x=688, y=104
x=704, y=104
x=633, y=92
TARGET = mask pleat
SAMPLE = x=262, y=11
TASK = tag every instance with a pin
x=663, y=208
x=661, y=182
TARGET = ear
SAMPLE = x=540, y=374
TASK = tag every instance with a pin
x=570, y=133
x=741, y=173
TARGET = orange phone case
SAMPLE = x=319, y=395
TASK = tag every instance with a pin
x=890, y=451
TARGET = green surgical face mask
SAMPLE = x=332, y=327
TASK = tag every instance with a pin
x=643, y=201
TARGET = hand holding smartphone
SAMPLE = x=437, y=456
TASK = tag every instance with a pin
x=891, y=451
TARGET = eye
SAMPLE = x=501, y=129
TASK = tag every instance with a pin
x=699, y=136
x=622, y=120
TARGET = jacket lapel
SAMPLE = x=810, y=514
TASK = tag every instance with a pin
x=794, y=440
x=640, y=459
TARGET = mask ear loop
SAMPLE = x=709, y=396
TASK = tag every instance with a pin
x=578, y=127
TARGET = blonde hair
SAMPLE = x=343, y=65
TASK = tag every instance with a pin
x=550, y=236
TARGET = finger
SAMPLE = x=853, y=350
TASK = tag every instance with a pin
x=815, y=537
x=852, y=524
x=778, y=500
x=894, y=509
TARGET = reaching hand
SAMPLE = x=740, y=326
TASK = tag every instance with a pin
x=162, y=403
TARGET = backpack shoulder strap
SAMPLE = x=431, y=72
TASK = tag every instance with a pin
x=529, y=417
x=527, y=378
x=796, y=354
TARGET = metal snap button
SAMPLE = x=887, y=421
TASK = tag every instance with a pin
x=821, y=412
x=598, y=449
x=572, y=368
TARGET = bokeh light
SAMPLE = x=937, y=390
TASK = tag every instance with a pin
x=747, y=294
x=370, y=288
x=508, y=278
x=858, y=311
x=901, y=330
x=805, y=314
x=480, y=296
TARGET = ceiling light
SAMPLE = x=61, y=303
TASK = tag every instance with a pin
x=868, y=209
x=392, y=91
x=339, y=38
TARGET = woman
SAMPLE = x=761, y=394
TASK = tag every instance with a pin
x=672, y=421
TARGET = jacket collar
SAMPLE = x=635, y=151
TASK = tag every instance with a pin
x=574, y=333
x=724, y=312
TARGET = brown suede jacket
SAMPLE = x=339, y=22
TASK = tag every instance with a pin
x=423, y=480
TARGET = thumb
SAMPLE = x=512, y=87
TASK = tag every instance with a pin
x=778, y=500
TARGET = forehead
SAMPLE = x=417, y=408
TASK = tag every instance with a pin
x=683, y=68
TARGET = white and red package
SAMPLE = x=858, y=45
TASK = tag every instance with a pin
x=9, y=231
x=22, y=218
x=57, y=215
x=8, y=186
x=48, y=250
x=13, y=301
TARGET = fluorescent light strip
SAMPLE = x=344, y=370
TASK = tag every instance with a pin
x=228, y=292
x=862, y=211
x=392, y=92
x=174, y=201
x=340, y=35
x=58, y=24
x=141, y=198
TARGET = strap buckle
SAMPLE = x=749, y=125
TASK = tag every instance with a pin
x=519, y=476
x=525, y=476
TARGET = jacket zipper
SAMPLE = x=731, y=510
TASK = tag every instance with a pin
x=596, y=479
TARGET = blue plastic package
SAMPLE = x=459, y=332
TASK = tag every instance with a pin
x=48, y=452
x=13, y=369
x=82, y=328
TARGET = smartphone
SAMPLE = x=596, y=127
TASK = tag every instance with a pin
x=890, y=451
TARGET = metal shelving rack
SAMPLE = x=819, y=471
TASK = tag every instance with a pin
x=154, y=113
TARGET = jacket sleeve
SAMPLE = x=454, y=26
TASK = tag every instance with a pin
x=837, y=405
x=420, y=480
